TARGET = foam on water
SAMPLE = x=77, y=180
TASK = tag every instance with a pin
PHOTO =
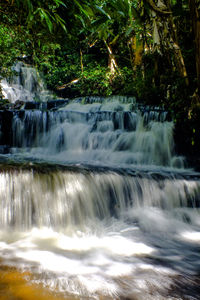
x=25, y=85
x=102, y=234
x=117, y=218
x=98, y=133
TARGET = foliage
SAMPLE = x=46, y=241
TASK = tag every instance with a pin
x=11, y=47
x=97, y=80
x=60, y=69
x=94, y=81
x=29, y=27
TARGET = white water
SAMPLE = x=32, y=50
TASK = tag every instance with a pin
x=101, y=234
x=25, y=85
x=118, y=219
x=104, y=134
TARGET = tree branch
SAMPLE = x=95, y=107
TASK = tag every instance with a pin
x=157, y=9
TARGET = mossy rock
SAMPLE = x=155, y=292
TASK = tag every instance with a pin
x=5, y=104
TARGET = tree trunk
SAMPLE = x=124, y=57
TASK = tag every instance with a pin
x=81, y=60
x=130, y=44
x=177, y=50
x=165, y=33
x=178, y=53
x=112, y=64
x=195, y=17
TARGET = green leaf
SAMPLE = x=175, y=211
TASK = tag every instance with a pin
x=44, y=16
x=59, y=2
x=82, y=9
x=121, y=13
x=128, y=31
x=102, y=11
x=81, y=19
x=29, y=5
x=60, y=21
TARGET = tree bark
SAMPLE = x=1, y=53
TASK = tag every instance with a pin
x=177, y=51
x=195, y=17
x=112, y=64
x=157, y=8
x=81, y=60
x=166, y=33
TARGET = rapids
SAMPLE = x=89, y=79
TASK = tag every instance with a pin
x=95, y=203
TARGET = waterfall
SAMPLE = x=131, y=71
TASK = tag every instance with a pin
x=105, y=133
x=95, y=203
x=25, y=85
x=72, y=198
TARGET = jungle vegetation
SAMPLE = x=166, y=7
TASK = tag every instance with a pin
x=146, y=48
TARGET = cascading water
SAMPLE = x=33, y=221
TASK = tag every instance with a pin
x=107, y=134
x=25, y=85
x=95, y=204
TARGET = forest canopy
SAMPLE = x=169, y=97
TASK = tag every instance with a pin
x=146, y=48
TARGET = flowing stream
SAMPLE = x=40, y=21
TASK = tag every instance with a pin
x=95, y=204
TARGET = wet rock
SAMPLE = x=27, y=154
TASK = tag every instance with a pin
x=5, y=104
x=6, y=117
x=32, y=105
x=4, y=149
x=18, y=104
